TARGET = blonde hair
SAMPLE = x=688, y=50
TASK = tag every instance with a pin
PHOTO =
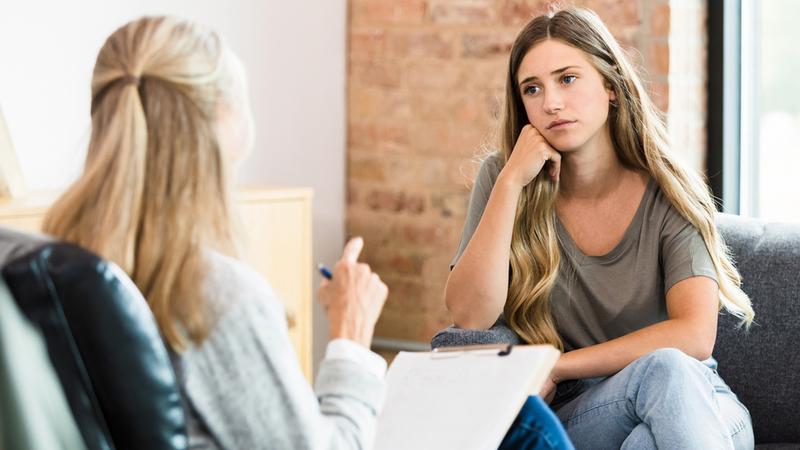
x=640, y=140
x=154, y=193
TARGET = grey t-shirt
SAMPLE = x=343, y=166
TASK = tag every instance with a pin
x=599, y=298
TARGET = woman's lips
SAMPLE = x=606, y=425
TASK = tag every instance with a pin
x=562, y=125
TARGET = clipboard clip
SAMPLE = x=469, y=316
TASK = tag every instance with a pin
x=483, y=349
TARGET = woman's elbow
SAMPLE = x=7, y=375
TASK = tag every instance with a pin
x=702, y=345
x=705, y=351
x=468, y=317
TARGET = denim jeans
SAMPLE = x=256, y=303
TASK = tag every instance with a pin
x=665, y=399
x=536, y=428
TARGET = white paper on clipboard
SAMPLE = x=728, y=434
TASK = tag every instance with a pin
x=461, y=399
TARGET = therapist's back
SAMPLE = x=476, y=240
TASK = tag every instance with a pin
x=170, y=116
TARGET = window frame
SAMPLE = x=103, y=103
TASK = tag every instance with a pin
x=723, y=155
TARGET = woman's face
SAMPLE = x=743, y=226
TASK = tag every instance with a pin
x=559, y=85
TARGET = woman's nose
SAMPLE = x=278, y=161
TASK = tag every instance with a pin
x=553, y=102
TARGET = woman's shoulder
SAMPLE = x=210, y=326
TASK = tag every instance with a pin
x=490, y=166
x=664, y=213
x=493, y=163
x=232, y=285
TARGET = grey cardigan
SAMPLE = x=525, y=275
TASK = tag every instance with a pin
x=243, y=386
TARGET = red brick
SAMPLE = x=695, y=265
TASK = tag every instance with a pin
x=449, y=204
x=387, y=11
x=377, y=135
x=405, y=295
x=462, y=108
x=366, y=45
x=430, y=171
x=378, y=104
x=448, y=139
x=658, y=58
x=520, y=12
x=420, y=44
x=659, y=92
x=365, y=225
x=462, y=11
x=437, y=76
x=616, y=14
x=393, y=201
x=426, y=234
x=486, y=45
x=464, y=172
x=365, y=169
x=489, y=74
x=373, y=74
x=660, y=20
x=352, y=193
x=400, y=325
x=386, y=260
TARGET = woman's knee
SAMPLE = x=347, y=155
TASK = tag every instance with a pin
x=668, y=357
x=667, y=362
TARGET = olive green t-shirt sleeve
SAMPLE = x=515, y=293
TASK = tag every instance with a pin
x=683, y=251
x=484, y=182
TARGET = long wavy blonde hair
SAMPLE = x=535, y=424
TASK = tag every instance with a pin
x=154, y=193
x=640, y=141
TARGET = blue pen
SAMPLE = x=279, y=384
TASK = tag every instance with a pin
x=324, y=271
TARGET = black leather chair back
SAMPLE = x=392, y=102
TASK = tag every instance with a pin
x=104, y=345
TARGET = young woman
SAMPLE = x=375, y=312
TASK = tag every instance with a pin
x=585, y=232
x=169, y=117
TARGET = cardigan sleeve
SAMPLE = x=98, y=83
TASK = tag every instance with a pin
x=246, y=386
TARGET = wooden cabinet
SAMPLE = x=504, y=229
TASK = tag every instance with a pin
x=276, y=223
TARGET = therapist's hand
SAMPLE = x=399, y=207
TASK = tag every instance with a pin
x=353, y=298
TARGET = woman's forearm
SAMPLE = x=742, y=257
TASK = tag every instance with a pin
x=478, y=285
x=610, y=357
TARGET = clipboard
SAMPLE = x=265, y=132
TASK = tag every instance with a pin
x=460, y=397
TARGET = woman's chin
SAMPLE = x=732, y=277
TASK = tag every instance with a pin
x=565, y=147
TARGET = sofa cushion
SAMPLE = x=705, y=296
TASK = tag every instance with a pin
x=761, y=365
x=453, y=336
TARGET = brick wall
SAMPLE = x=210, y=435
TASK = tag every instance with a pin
x=424, y=89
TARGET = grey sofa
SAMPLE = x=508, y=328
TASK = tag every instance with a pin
x=762, y=365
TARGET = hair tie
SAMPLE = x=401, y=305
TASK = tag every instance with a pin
x=130, y=79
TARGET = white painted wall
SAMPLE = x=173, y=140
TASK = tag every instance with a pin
x=294, y=52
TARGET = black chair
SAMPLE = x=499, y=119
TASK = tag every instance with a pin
x=104, y=346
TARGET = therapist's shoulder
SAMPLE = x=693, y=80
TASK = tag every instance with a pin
x=231, y=284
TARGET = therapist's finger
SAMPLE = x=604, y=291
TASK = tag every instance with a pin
x=352, y=250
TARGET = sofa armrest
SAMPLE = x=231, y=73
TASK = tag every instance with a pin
x=453, y=336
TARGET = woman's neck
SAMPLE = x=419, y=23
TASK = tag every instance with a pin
x=592, y=171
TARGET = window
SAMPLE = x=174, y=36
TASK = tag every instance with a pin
x=754, y=107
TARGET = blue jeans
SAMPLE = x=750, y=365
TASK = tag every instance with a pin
x=665, y=399
x=536, y=427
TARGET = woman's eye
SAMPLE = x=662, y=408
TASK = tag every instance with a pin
x=568, y=79
x=530, y=90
